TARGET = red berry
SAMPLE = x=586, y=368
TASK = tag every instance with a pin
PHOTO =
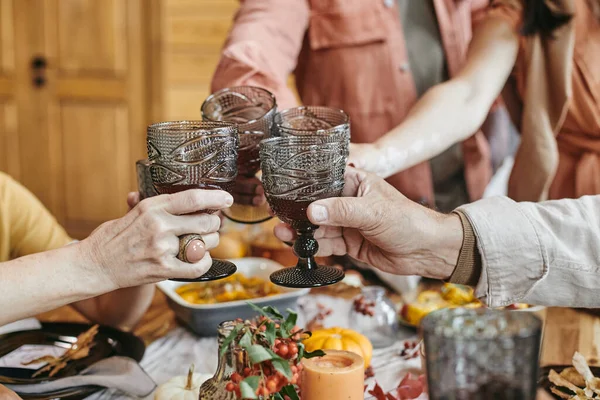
x=230, y=387
x=236, y=378
x=283, y=350
x=293, y=349
x=272, y=386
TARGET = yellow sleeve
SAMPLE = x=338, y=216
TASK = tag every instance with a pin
x=26, y=226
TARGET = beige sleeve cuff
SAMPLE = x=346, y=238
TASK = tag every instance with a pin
x=468, y=267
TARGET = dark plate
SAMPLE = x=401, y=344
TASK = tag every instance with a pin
x=545, y=383
x=108, y=342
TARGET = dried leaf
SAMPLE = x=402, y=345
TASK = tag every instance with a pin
x=560, y=393
x=573, y=376
x=592, y=384
x=78, y=350
x=558, y=380
x=46, y=359
x=378, y=393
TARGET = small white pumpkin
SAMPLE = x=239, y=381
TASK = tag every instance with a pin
x=182, y=387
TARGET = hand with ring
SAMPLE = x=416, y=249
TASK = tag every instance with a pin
x=162, y=237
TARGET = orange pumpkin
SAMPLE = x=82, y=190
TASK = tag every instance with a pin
x=340, y=339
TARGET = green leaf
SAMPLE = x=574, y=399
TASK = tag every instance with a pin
x=316, y=353
x=267, y=311
x=283, y=333
x=301, y=351
x=290, y=391
x=291, y=319
x=278, y=396
x=270, y=333
x=258, y=354
x=248, y=387
x=246, y=340
x=282, y=366
x=229, y=339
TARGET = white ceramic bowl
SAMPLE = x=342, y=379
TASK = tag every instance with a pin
x=203, y=319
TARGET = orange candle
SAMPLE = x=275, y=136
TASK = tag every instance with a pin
x=338, y=375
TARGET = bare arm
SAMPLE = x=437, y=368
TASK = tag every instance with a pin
x=138, y=249
x=32, y=229
x=452, y=111
x=44, y=281
x=263, y=46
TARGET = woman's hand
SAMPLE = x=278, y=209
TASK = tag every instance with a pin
x=369, y=157
x=378, y=225
x=141, y=247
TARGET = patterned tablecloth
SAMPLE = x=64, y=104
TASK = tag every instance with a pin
x=172, y=355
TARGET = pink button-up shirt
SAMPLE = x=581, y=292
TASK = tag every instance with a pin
x=350, y=54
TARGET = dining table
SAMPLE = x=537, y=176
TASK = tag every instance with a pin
x=566, y=330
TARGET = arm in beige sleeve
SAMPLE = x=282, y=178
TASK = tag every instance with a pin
x=263, y=46
x=538, y=253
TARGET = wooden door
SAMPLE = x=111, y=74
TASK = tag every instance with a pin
x=82, y=128
x=9, y=146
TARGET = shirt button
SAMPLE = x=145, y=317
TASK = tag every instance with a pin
x=404, y=67
x=388, y=3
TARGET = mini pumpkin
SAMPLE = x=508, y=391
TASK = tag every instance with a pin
x=182, y=387
x=340, y=339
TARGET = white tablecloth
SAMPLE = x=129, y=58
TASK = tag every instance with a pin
x=172, y=355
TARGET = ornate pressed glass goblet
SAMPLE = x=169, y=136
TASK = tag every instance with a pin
x=253, y=109
x=312, y=121
x=194, y=155
x=296, y=172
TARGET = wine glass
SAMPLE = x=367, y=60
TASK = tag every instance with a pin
x=311, y=121
x=481, y=353
x=194, y=155
x=253, y=109
x=297, y=171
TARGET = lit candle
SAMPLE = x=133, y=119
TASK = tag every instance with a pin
x=338, y=375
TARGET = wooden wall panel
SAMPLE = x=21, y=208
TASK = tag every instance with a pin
x=96, y=162
x=92, y=37
x=7, y=38
x=9, y=139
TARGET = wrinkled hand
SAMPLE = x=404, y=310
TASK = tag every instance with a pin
x=378, y=225
x=141, y=247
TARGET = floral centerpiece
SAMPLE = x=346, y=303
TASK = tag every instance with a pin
x=274, y=347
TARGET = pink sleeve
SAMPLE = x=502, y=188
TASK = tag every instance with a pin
x=263, y=46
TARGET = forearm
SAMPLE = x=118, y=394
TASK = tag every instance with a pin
x=41, y=282
x=122, y=308
x=445, y=115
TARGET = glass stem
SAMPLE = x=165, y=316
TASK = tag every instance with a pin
x=305, y=247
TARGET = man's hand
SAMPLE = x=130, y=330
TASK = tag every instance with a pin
x=376, y=224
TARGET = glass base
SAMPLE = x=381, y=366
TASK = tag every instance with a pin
x=297, y=277
x=246, y=214
x=220, y=269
